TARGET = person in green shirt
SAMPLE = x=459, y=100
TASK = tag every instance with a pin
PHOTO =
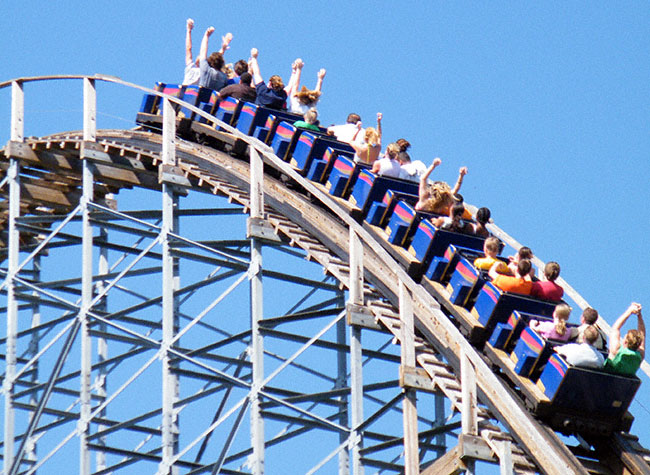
x=626, y=358
x=310, y=119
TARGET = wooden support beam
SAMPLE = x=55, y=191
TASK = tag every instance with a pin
x=449, y=464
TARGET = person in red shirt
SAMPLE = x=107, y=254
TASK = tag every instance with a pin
x=520, y=283
x=547, y=289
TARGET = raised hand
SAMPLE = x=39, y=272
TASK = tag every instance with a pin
x=190, y=24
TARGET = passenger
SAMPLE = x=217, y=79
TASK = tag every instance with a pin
x=404, y=145
x=368, y=151
x=410, y=170
x=547, y=289
x=192, y=71
x=388, y=165
x=626, y=358
x=454, y=222
x=211, y=75
x=437, y=197
x=524, y=252
x=557, y=329
x=482, y=218
x=520, y=283
x=272, y=94
x=347, y=131
x=583, y=354
x=310, y=118
x=589, y=318
x=239, y=68
x=300, y=101
x=241, y=90
x=491, y=248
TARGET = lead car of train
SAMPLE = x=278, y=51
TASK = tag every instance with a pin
x=568, y=398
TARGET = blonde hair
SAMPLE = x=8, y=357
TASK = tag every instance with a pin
x=440, y=198
x=372, y=136
x=311, y=116
x=561, y=314
x=392, y=150
x=492, y=244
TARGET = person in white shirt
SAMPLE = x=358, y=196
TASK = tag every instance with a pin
x=583, y=354
x=192, y=72
x=388, y=165
x=347, y=131
x=410, y=170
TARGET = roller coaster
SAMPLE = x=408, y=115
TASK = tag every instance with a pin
x=399, y=360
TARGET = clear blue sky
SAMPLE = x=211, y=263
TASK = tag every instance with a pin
x=546, y=103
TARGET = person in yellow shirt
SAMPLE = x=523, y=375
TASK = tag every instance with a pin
x=491, y=249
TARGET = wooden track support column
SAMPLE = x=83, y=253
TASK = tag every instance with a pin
x=469, y=418
x=13, y=174
x=342, y=382
x=170, y=390
x=355, y=306
x=89, y=135
x=409, y=404
x=255, y=223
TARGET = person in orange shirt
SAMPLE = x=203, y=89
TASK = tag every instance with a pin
x=521, y=283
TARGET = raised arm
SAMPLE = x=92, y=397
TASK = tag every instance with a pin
x=319, y=82
x=360, y=149
x=203, y=53
x=461, y=174
x=379, y=117
x=225, y=42
x=189, y=25
x=423, y=191
x=294, y=80
x=641, y=328
x=254, y=67
x=615, y=332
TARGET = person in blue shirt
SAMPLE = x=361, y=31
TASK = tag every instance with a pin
x=272, y=94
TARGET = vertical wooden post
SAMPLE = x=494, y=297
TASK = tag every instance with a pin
x=13, y=174
x=169, y=281
x=89, y=135
x=409, y=404
x=356, y=362
x=257, y=311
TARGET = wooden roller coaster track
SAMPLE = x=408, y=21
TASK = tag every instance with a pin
x=496, y=425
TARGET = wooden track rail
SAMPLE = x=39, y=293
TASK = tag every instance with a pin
x=51, y=183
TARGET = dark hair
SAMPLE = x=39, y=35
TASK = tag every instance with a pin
x=523, y=267
x=458, y=198
x=240, y=67
x=404, y=145
x=483, y=215
x=525, y=253
x=403, y=157
x=552, y=271
x=590, y=315
x=457, y=210
x=353, y=118
x=215, y=60
x=246, y=78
